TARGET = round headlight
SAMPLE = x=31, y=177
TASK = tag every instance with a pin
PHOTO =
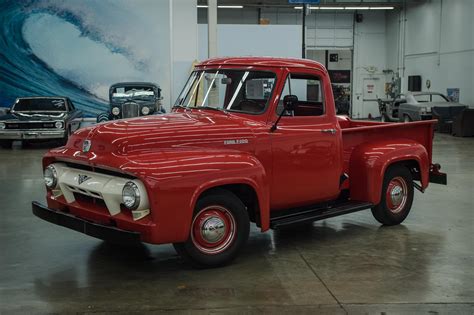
x=50, y=177
x=58, y=124
x=115, y=111
x=145, y=110
x=131, y=195
x=2, y=125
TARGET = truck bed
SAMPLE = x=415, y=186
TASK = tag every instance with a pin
x=356, y=132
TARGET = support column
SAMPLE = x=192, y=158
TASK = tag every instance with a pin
x=212, y=27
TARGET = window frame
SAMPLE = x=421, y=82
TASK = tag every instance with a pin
x=219, y=69
x=323, y=96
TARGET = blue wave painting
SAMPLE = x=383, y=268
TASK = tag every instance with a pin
x=75, y=49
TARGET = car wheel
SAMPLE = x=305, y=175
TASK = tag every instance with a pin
x=406, y=118
x=219, y=229
x=103, y=117
x=63, y=141
x=397, y=196
x=7, y=144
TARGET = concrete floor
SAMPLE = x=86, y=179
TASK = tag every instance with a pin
x=343, y=265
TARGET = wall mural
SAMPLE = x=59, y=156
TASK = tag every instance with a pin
x=76, y=48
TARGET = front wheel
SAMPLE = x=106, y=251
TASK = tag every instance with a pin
x=219, y=229
x=397, y=196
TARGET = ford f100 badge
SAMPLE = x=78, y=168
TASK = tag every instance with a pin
x=86, y=146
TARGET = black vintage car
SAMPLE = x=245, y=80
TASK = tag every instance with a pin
x=39, y=118
x=132, y=99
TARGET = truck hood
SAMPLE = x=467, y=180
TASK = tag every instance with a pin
x=147, y=134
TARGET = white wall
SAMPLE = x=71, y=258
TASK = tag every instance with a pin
x=437, y=43
x=253, y=40
x=369, y=63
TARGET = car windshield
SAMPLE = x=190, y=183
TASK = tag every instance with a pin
x=233, y=90
x=39, y=105
x=432, y=98
x=136, y=92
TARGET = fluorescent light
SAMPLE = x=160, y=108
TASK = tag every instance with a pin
x=230, y=6
x=382, y=8
x=356, y=8
x=202, y=6
x=331, y=8
x=311, y=8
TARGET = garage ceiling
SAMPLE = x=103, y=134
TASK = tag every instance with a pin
x=284, y=3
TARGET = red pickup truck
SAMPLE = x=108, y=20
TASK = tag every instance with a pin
x=248, y=140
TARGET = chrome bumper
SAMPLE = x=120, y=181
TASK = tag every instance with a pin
x=31, y=134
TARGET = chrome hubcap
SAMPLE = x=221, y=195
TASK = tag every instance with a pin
x=397, y=195
x=213, y=230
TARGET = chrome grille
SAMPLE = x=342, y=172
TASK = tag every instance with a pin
x=29, y=125
x=130, y=110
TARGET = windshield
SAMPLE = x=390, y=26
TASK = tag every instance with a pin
x=40, y=105
x=233, y=90
x=432, y=98
x=136, y=92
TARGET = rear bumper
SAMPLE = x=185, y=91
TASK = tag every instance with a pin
x=108, y=233
x=436, y=176
x=31, y=134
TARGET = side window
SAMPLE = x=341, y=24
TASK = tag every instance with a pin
x=308, y=89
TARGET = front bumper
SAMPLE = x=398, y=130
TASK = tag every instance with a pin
x=108, y=233
x=31, y=134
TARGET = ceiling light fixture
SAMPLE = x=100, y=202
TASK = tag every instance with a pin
x=356, y=8
x=382, y=8
x=331, y=8
x=202, y=6
x=230, y=6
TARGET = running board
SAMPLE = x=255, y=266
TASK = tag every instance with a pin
x=320, y=213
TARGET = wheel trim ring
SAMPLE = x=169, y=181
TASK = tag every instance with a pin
x=203, y=217
x=396, y=194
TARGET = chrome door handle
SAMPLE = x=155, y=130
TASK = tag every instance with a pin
x=331, y=131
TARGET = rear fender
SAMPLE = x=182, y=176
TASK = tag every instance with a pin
x=370, y=160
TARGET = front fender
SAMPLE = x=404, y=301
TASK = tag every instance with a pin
x=175, y=180
x=370, y=160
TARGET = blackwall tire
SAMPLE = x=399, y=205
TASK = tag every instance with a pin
x=397, y=196
x=6, y=144
x=219, y=229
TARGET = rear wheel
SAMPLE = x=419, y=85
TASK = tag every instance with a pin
x=397, y=196
x=406, y=118
x=219, y=229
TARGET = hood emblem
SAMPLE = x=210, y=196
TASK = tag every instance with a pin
x=82, y=178
x=86, y=146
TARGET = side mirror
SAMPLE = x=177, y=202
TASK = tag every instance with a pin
x=290, y=102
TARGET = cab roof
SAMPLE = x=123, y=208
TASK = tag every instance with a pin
x=262, y=61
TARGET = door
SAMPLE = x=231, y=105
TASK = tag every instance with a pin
x=306, y=146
